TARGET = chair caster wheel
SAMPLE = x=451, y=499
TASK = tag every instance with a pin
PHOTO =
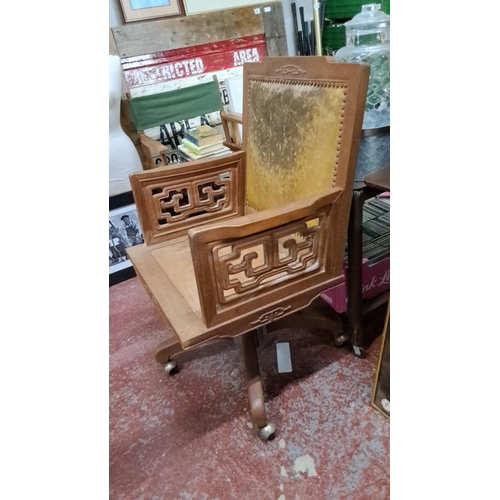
x=171, y=367
x=268, y=432
x=359, y=352
x=340, y=339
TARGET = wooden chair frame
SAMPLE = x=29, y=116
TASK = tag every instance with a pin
x=217, y=265
x=230, y=121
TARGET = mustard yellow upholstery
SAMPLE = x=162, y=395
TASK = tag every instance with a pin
x=284, y=140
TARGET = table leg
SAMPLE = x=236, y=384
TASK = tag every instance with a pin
x=353, y=281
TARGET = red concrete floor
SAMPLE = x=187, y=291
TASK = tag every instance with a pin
x=189, y=437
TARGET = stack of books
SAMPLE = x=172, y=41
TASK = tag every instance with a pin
x=202, y=141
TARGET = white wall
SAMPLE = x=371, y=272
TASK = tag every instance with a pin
x=197, y=6
x=115, y=17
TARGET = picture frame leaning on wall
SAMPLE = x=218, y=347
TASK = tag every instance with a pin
x=381, y=387
x=139, y=10
x=124, y=231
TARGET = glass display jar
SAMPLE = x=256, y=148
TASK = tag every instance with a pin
x=368, y=41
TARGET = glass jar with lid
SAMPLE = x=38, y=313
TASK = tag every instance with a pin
x=368, y=41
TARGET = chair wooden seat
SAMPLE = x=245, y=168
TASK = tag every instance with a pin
x=167, y=269
x=236, y=242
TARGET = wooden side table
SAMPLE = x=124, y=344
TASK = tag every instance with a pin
x=380, y=180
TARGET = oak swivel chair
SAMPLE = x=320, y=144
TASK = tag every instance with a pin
x=236, y=242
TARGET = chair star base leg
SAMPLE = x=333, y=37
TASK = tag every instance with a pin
x=255, y=390
x=257, y=404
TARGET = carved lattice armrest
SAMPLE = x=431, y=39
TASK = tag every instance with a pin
x=244, y=264
x=172, y=199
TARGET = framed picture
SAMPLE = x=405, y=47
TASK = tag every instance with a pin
x=139, y=10
x=124, y=231
x=382, y=384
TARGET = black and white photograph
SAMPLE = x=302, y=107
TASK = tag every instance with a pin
x=124, y=231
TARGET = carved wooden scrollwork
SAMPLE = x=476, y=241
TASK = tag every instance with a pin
x=291, y=69
x=179, y=202
x=267, y=259
x=171, y=200
x=271, y=315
